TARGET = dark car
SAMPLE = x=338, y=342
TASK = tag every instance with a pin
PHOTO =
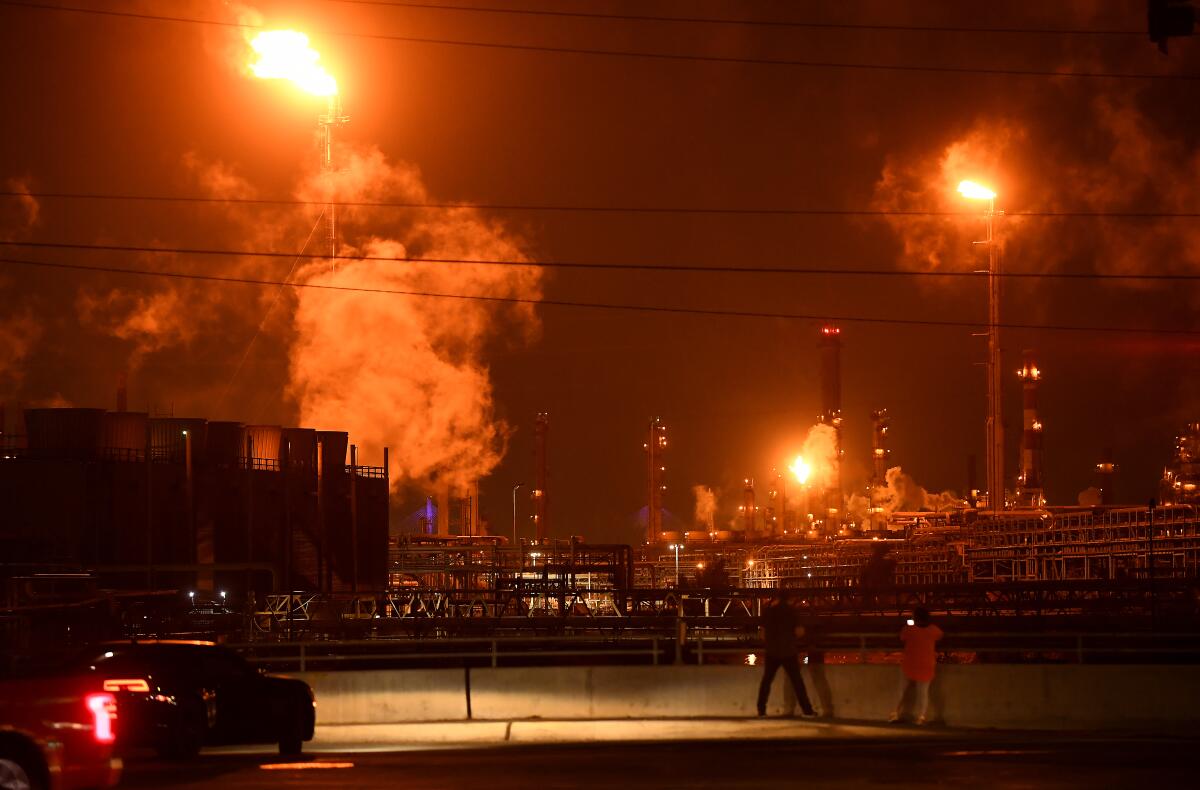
x=56, y=733
x=176, y=696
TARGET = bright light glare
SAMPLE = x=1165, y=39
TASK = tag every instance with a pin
x=317, y=766
x=801, y=469
x=286, y=55
x=973, y=191
x=103, y=708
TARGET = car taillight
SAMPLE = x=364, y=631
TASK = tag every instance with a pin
x=127, y=684
x=104, y=712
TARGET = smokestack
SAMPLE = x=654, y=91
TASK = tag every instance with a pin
x=1029, y=483
x=879, y=461
x=655, y=446
x=748, y=507
x=829, y=345
x=778, y=497
x=1106, y=472
x=972, y=482
x=541, y=496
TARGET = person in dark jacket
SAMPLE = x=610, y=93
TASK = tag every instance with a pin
x=781, y=631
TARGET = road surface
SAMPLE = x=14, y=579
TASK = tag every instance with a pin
x=970, y=761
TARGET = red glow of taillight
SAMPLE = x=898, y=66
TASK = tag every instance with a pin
x=127, y=684
x=104, y=713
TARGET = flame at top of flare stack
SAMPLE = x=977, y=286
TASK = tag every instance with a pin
x=286, y=55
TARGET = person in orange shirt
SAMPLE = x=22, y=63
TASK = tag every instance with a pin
x=920, y=639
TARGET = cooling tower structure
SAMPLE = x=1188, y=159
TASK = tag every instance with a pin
x=1029, y=481
x=655, y=446
x=829, y=345
x=541, y=496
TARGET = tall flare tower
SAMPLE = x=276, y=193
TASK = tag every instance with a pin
x=829, y=345
x=286, y=55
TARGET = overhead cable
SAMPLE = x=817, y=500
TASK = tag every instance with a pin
x=662, y=56
x=675, y=310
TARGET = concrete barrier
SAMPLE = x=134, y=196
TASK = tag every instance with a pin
x=388, y=695
x=1002, y=695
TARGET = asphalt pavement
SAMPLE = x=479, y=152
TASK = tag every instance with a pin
x=897, y=759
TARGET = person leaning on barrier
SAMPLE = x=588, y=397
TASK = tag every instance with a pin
x=781, y=632
x=920, y=639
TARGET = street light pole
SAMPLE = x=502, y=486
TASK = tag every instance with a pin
x=517, y=486
x=675, y=546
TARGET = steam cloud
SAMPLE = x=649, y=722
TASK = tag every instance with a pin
x=706, y=506
x=820, y=451
x=902, y=493
x=404, y=371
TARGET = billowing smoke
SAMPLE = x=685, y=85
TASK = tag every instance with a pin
x=706, y=506
x=902, y=493
x=1035, y=167
x=820, y=452
x=1091, y=497
x=404, y=371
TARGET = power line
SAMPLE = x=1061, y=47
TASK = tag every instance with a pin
x=601, y=305
x=548, y=207
x=665, y=56
x=587, y=265
x=769, y=23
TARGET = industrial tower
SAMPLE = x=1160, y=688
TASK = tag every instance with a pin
x=1029, y=482
x=541, y=496
x=655, y=446
x=829, y=344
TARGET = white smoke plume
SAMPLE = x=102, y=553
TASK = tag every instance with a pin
x=399, y=371
x=820, y=452
x=407, y=372
x=902, y=493
x=1034, y=167
x=706, y=506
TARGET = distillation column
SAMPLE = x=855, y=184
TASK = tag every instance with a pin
x=655, y=446
x=829, y=344
x=880, y=453
x=541, y=496
x=1029, y=483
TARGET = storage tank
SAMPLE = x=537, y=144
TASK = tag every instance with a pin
x=333, y=451
x=302, y=447
x=125, y=434
x=226, y=443
x=65, y=431
x=265, y=440
x=167, y=440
